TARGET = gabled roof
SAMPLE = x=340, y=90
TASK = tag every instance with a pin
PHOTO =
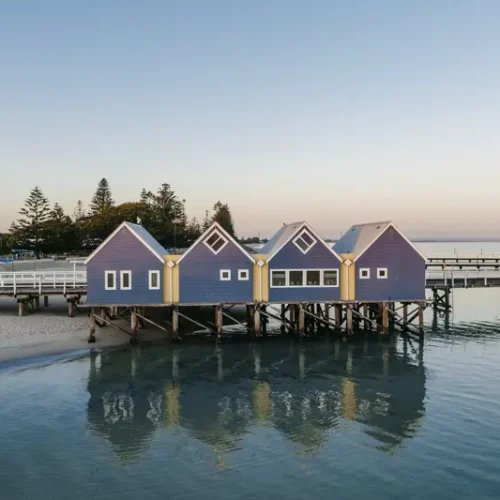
x=286, y=233
x=141, y=234
x=219, y=228
x=360, y=237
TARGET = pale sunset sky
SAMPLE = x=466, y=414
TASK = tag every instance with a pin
x=331, y=111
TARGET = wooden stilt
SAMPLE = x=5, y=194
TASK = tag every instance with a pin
x=175, y=322
x=256, y=320
x=292, y=316
x=72, y=309
x=338, y=316
x=405, y=314
x=22, y=307
x=385, y=319
x=349, y=323
x=327, y=312
x=45, y=301
x=134, y=327
x=421, y=318
x=264, y=319
x=366, y=323
x=301, y=319
x=36, y=303
x=218, y=321
x=91, y=327
x=250, y=311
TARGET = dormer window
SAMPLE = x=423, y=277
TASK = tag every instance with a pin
x=216, y=242
x=304, y=241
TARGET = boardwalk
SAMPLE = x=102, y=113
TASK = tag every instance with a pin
x=43, y=283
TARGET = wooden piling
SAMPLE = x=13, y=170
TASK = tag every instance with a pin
x=250, y=315
x=175, y=322
x=385, y=318
x=366, y=323
x=421, y=318
x=22, y=307
x=301, y=319
x=218, y=321
x=338, y=316
x=134, y=327
x=72, y=309
x=405, y=314
x=45, y=301
x=256, y=320
x=92, y=327
x=348, y=317
x=327, y=312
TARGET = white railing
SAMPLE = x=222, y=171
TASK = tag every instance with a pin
x=449, y=276
x=18, y=282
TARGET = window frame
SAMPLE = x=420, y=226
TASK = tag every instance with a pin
x=221, y=271
x=218, y=233
x=106, y=274
x=361, y=277
x=246, y=272
x=304, y=276
x=153, y=273
x=122, y=273
x=386, y=273
x=314, y=241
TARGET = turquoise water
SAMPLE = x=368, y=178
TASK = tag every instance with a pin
x=369, y=417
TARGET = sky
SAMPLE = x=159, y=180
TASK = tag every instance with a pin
x=328, y=111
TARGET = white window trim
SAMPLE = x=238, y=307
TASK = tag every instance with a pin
x=218, y=233
x=304, y=275
x=152, y=273
x=244, y=272
x=122, y=273
x=299, y=236
x=106, y=274
x=225, y=271
x=378, y=273
x=361, y=269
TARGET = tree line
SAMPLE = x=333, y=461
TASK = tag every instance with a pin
x=46, y=229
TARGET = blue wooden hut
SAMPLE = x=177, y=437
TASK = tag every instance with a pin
x=215, y=269
x=126, y=268
x=301, y=266
x=387, y=265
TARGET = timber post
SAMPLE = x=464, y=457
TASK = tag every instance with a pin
x=385, y=318
x=256, y=319
x=92, y=327
x=45, y=301
x=36, y=303
x=218, y=321
x=301, y=319
x=134, y=327
x=250, y=314
x=348, y=317
x=366, y=322
x=327, y=312
x=22, y=307
x=421, y=318
x=72, y=308
x=175, y=322
x=405, y=314
x=338, y=316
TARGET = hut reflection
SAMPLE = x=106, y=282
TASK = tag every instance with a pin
x=217, y=395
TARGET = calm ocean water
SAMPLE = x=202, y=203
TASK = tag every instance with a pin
x=368, y=417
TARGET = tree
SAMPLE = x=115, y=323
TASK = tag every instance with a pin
x=28, y=231
x=79, y=211
x=207, y=221
x=222, y=215
x=60, y=232
x=102, y=199
x=193, y=231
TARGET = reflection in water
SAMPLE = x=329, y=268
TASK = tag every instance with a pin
x=218, y=395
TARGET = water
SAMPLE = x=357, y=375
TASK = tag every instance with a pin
x=371, y=417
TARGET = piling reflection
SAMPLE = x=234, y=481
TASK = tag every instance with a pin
x=217, y=396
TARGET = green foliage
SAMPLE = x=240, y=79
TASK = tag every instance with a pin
x=222, y=215
x=162, y=213
x=29, y=231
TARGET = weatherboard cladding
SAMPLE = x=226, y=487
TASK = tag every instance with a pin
x=405, y=270
x=290, y=257
x=124, y=252
x=199, y=275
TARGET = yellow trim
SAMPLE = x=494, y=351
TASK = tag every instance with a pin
x=261, y=276
x=347, y=278
x=171, y=280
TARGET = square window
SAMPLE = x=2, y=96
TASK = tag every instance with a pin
x=225, y=275
x=382, y=273
x=313, y=278
x=278, y=278
x=110, y=280
x=216, y=242
x=304, y=241
x=154, y=280
x=296, y=278
x=331, y=277
x=364, y=273
x=126, y=280
x=243, y=274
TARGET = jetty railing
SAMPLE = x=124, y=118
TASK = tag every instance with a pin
x=42, y=281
